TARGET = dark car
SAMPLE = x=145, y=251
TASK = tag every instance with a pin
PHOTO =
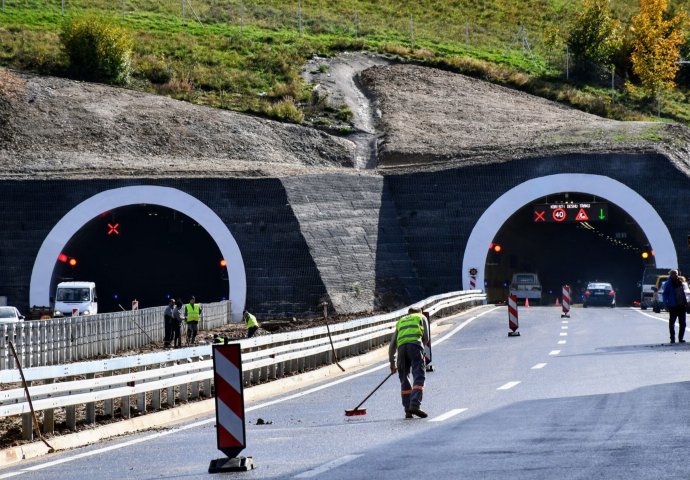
x=599, y=293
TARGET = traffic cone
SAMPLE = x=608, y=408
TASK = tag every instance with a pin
x=526, y=302
x=557, y=302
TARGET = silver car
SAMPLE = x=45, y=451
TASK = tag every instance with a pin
x=10, y=315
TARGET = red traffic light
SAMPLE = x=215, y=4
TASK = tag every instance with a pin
x=62, y=258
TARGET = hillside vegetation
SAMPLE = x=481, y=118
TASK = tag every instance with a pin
x=246, y=55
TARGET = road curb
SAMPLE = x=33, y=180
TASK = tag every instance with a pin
x=190, y=411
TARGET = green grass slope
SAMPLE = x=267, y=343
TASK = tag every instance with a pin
x=246, y=55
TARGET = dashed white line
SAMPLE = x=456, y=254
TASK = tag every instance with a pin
x=538, y=366
x=564, y=334
x=554, y=352
x=561, y=342
x=327, y=466
x=564, y=327
x=507, y=386
x=564, y=321
x=448, y=414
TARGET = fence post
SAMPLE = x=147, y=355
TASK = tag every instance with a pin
x=91, y=406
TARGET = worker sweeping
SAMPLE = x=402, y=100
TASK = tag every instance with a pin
x=408, y=342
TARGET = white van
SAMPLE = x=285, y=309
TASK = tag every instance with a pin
x=77, y=297
x=526, y=286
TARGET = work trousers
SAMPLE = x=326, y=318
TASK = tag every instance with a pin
x=176, y=338
x=169, y=321
x=676, y=312
x=192, y=328
x=251, y=331
x=411, y=361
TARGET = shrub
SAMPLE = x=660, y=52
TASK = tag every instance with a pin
x=97, y=50
x=154, y=69
x=285, y=110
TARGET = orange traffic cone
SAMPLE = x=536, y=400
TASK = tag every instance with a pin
x=526, y=302
x=557, y=302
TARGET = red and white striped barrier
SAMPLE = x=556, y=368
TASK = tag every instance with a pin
x=473, y=282
x=230, y=431
x=566, y=301
x=513, y=316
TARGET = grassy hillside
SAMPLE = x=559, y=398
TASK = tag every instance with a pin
x=246, y=55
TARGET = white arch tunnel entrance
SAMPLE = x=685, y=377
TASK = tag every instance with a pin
x=172, y=198
x=506, y=205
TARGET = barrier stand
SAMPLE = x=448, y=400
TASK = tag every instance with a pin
x=566, y=302
x=513, y=316
x=230, y=428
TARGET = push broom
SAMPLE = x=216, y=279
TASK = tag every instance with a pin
x=363, y=411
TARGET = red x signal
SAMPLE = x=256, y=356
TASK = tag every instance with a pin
x=113, y=229
x=539, y=216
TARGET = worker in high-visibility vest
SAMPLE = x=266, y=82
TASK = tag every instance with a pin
x=192, y=317
x=408, y=342
x=252, y=324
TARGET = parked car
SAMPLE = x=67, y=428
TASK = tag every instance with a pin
x=599, y=293
x=10, y=315
x=657, y=299
x=650, y=277
x=526, y=286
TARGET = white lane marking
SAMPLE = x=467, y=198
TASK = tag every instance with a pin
x=327, y=466
x=538, y=366
x=561, y=342
x=507, y=386
x=564, y=321
x=461, y=326
x=564, y=334
x=554, y=352
x=213, y=419
x=564, y=327
x=653, y=316
x=449, y=414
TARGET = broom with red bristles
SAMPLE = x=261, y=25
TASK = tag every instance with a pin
x=363, y=411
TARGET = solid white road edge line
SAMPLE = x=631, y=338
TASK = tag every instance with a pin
x=327, y=466
x=213, y=419
x=538, y=366
x=448, y=414
x=507, y=386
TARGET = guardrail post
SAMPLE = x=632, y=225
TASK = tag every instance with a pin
x=156, y=399
x=207, y=388
x=125, y=405
x=49, y=414
x=71, y=413
x=141, y=398
x=184, y=392
x=27, y=425
x=108, y=409
x=170, y=392
x=91, y=406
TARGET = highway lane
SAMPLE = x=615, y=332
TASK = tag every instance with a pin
x=597, y=395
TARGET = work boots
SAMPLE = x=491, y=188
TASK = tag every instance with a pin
x=417, y=411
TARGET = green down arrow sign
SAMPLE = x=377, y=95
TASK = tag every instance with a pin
x=601, y=214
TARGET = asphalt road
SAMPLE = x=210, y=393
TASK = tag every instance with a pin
x=597, y=395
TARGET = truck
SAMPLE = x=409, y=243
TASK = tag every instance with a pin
x=75, y=298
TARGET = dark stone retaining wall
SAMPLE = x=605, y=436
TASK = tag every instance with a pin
x=362, y=242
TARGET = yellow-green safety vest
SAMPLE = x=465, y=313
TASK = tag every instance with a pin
x=251, y=321
x=193, y=312
x=410, y=329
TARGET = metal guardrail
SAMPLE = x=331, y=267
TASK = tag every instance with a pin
x=70, y=339
x=163, y=378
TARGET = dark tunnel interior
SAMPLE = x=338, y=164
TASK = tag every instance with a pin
x=569, y=252
x=144, y=252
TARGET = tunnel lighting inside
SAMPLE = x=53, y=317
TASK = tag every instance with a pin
x=574, y=252
x=144, y=252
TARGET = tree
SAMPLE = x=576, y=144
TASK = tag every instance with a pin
x=596, y=35
x=656, y=46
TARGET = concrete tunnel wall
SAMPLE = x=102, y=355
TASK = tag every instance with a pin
x=359, y=241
